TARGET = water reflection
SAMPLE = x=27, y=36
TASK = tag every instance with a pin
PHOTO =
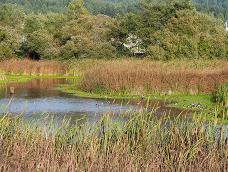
x=38, y=97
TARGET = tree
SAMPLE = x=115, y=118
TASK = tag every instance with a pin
x=11, y=26
x=9, y=42
x=77, y=9
x=191, y=35
x=151, y=18
x=87, y=36
x=41, y=45
x=11, y=15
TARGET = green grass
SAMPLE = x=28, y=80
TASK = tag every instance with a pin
x=206, y=111
x=14, y=78
x=175, y=100
x=9, y=78
x=188, y=101
x=72, y=89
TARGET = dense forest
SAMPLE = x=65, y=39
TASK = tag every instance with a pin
x=218, y=8
x=107, y=7
x=150, y=29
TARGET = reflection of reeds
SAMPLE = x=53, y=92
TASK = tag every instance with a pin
x=143, y=143
x=41, y=83
x=2, y=77
x=30, y=67
x=141, y=75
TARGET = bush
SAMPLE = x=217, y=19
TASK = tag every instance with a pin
x=156, y=52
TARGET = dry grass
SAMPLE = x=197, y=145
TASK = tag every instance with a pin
x=144, y=75
x=30, y=67
x=142, y=144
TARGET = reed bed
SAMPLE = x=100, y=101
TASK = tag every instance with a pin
x=139, y=76
x=143, y=143
x=31, y=67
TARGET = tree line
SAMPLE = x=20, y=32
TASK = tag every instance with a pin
x=168, y=31
x=217, y=8
x=107, y=7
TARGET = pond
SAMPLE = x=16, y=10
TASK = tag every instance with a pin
x=38, y=102
x=38, y=98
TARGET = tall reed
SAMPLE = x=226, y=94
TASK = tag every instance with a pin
x=143, y=143
x=31, y=67
x=138, y=76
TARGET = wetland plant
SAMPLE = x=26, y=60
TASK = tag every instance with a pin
x=143, y=143
x=220, y=95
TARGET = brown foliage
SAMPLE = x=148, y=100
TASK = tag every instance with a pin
x=193, y=152
x=141, y=75
x=26, y=66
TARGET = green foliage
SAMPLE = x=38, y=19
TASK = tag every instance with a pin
x=156, y=52
x=34, y=23
x=191, y=35
x=111, y=7
x=9, y=42
x=11, y=15
x=107, y=7
x=167, y=30
x=42, y=43
x=221, y=94
x=87, y=36
x=11, y=21
x=77, y=9
x=40, y=6
x=150, y=19
x=217, y=8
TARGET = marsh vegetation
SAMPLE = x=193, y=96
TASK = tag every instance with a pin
x=125, y=86
x=142, y=143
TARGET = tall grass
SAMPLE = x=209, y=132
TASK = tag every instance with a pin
x=143, y=143
x=220, y=95
x=138, y=76
x=31, y=67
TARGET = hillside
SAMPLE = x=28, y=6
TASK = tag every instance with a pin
x=218, y=8
x=108, y=7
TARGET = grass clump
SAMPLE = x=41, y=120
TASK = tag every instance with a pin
x=221, y=94
x=142, y=143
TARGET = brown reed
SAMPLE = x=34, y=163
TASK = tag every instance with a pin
x=141, y=75
x=142, y=144
x=31, y=67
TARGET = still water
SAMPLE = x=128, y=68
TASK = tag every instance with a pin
x=38, y=102
x=37, y=99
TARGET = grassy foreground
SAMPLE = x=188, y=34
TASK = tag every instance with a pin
x=143, y=143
